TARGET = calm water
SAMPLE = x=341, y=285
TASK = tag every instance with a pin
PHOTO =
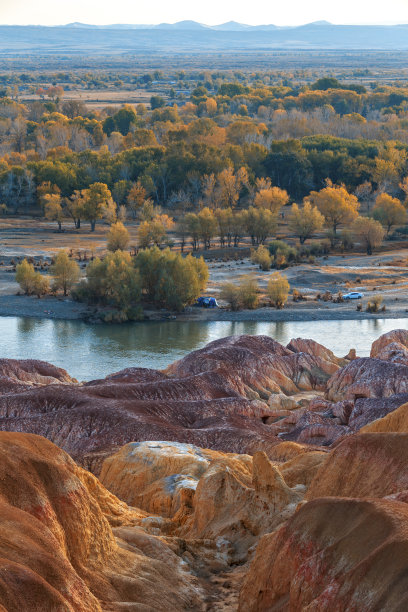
x=88, y=352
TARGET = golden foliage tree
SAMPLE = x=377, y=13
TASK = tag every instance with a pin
x=306, y=221
x=278, y=289
x=336, y=204
x=65, y=271
x=118, y=237
x=272, y=198
x=369, y=231
x=389, y=211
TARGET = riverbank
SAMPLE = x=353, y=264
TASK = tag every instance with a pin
x=51, y=307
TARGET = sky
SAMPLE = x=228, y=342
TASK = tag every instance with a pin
x=211, y=12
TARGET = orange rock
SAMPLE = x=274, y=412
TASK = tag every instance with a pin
x=364, y=465
x=396, y=421
x=57, y=547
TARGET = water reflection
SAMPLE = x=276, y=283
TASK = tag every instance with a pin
x=93, y=351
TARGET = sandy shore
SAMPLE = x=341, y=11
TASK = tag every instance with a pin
x=57, y=308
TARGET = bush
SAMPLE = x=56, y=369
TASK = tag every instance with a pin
x=41, y=285
x=297, y=296
x=170, y=280
x=278, y=290
x=320, y=248
x=25, y=276
x=65, y=271
x=283, y=249
x=262, y=257
x=248, y=292
x=230, y=294
x=346, y=240
x=31, y=282
x=118, y=237
x=374, y=304
x=114, y=281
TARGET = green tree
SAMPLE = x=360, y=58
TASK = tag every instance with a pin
x=169, y=279
x=32, y=282
x=25, y=276
x=97, y=203
x=208, y=226
x=113, y=281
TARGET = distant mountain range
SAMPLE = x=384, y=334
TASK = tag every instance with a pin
x=192, y=37
x=229, y=26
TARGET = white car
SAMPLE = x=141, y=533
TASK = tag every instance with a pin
x=353, y=295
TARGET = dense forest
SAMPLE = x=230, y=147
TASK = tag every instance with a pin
x=206, y=151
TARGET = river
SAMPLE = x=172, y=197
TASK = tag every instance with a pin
x=93, y=351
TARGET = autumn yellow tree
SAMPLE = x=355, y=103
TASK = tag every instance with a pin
x=52, y=208
x=118, y=237
x=229, y=185
x=306, y=221
x=336, y=204
x=136, y=198
x=73, y=206
x=65, y=271
x=278, y=289
x=389, y=211
x=272, y=198
x=260, y=223
x=370, y=233
x=154, y=231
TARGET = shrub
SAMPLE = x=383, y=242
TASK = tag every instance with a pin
x=283, y=248
x=262, y=257
x=170, y=280
x=346, y=240
x=31, y=282
x=278, y=290
x=248, y=292
x=118, y=237
x=297, y=296
x=230, y=294
x=25, y=276
x=113, y=281
x=65, y=271
x=41, y=285
x=374, y=304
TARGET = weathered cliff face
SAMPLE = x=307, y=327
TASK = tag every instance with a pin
x=333, y=554
x=58, y=549
x=364, y=465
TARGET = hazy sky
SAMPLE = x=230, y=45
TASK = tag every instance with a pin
x=286, y=12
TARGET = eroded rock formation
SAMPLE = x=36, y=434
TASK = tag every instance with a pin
x=282, y=480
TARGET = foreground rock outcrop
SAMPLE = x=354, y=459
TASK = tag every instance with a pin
x=334, y=554
x=58, y=549
x=280, y=482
